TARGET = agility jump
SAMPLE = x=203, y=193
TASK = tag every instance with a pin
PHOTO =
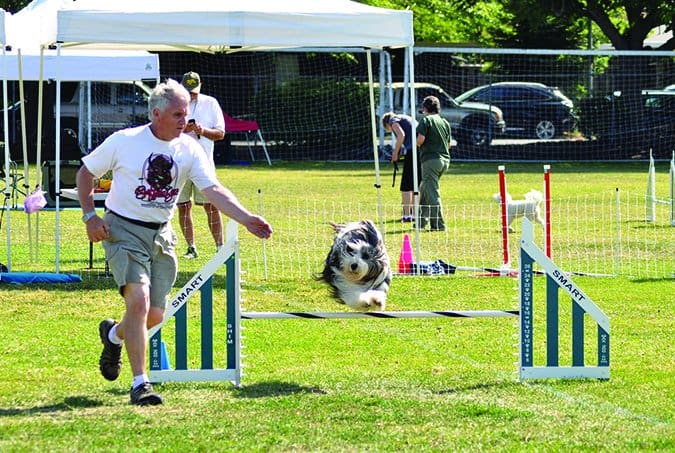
x=557, y=280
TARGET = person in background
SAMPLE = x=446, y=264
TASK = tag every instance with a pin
x=402, y=128
x=433, y=142
x=206, y=124
x=150, y=164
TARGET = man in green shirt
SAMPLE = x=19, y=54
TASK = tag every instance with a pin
x=433, y=142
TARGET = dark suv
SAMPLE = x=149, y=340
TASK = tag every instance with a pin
x=472, y=124
x=633, y=120
x=530, y=109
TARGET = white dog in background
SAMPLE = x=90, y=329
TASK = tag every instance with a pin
x=357, y=266
x=529, y=207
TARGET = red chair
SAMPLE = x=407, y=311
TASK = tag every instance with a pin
x=247, y=127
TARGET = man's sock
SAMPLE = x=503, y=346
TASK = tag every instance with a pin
x=140, y=380
x=112, y=335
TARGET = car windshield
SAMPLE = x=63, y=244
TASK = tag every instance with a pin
x=446, y=101
x=465, y=96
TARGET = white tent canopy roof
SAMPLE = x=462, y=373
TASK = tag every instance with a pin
x=221, y=25
x=89, y=65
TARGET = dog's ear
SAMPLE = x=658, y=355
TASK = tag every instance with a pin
x=372, y=234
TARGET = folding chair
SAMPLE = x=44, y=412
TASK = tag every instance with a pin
x=12, y=192
x=248, y=128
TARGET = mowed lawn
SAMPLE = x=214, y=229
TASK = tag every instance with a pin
x=344, y=385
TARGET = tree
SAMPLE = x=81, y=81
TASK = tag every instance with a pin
x=538, y=23
x=13, y=6
x=626, y=23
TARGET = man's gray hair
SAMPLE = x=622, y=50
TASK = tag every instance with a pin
x=163, y=94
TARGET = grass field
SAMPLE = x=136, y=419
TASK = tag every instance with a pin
x=343, y=385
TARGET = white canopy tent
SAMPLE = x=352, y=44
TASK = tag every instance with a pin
x=221, y=25
x=26, y=57
x=228, y=25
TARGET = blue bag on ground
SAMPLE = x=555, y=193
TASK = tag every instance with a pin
x=438, y=267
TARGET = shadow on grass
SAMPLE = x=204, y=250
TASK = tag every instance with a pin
x=481, y=386
x=69, y=403
x=655, y=279
x=274, y=388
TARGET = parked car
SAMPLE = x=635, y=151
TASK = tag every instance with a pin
x=530, y=109
x=114, y=106
x=639, y=119
x=473, y=124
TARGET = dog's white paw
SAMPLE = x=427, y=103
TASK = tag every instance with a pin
x=373, y=300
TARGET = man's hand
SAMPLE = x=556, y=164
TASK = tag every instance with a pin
x=191, y=126
x=394, y=157
x=97, y=229
x=258, y=227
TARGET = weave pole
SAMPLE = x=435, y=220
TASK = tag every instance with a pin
x=547, y=210
x=506, y=260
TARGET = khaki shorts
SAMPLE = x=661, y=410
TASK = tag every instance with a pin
x=137, y=254
x=190, y=192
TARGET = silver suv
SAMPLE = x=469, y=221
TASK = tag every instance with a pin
x=473, y=124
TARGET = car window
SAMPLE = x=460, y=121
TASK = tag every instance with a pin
x=504, y=94
x=130, y=94
x=662, y=103
x=100, y=93
x=443, y=97
x=527, y=94
x=487, y=95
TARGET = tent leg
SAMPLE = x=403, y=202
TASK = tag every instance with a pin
x=250, y=148
x=262, y=142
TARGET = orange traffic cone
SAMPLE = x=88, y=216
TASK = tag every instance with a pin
x=405, y=259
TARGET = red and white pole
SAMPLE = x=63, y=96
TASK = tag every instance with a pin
x=505, y=228
x=547, y=207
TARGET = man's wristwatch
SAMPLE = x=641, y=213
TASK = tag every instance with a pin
x=88, y=215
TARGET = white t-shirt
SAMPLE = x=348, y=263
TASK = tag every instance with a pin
x=148, y=173
x=207, y=112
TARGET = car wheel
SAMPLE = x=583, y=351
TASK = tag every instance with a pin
x=544, y=130
x=473, y=138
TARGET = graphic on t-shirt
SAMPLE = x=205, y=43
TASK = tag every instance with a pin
x=159, y=175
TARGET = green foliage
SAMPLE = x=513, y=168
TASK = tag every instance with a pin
x=13, y=6
x=535, y=24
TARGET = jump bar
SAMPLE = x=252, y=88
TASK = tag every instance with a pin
x=380, y=314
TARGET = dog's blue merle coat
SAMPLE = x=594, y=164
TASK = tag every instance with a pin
x=357, y=244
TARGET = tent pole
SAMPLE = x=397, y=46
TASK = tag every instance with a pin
x=38, y=146
x=410, y=68
x=8, y=189
x=57, y=156
x=374, y=136
x=24, y=146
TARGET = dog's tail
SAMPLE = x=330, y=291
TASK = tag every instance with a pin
x=534, y=195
